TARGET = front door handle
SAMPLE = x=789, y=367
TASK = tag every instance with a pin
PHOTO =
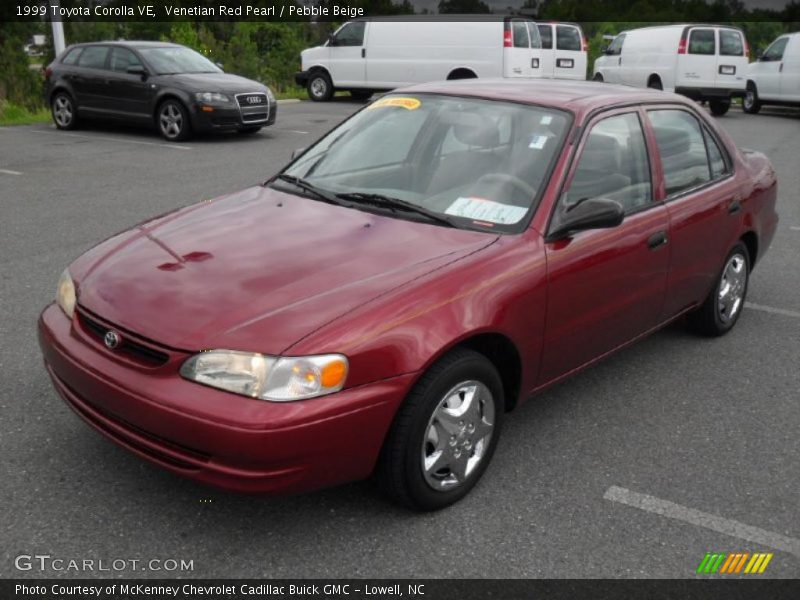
x=363, y=53
x=734, y=207
x=657, y=240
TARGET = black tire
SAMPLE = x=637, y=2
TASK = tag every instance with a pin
x=655, y=84
x=361, y=95
x=750, y=103
x=250, y=130
x=319, y=86
x=598, y=77
x=719, y=107
x=710, y=319
x=172, y=121
x=400, y=472
x=64, y=111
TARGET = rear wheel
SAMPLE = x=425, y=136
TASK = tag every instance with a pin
x=65, y=115
x=173, y=121
x=724, y=304
x=319, y=87
x=719, y=107
x=655, y=83
x=445, y=433
x=598, y=77
x=751, y=103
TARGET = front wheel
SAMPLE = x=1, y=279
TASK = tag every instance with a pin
x=320, y=87
x=751, y=104
x=721, y=310
x=719, y=107
x=598, y=77
x=173, y=121
x=444, y=435
x=65, y=116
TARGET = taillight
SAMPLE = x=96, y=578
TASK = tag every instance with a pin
x=746, y=49
x=47, y=72
x=682, y=46
x=584, y=45
x=507, y=42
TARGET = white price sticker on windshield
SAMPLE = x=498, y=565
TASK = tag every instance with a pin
x=481, y=209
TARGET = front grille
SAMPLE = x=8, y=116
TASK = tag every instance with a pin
x=141, y=353
x=246, y=100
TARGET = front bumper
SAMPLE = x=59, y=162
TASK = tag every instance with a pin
x=301, y=78
x=213, y=436
x=232, y=117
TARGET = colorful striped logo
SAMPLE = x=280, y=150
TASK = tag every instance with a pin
x=734, y=562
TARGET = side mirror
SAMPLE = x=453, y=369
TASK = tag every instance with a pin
x=594, y=213
x=137, y=70
x=219, y=65
x=331, y=40
x=760, y=55
x=297, y=152
x=604, y=49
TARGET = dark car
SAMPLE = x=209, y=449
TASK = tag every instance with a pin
x=171, y=86
x=427, y=266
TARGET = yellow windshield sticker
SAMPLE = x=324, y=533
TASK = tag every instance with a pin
x=407, y=103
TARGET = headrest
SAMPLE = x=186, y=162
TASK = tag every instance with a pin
x=601, y=153
x=472, y=129
x=672, y=141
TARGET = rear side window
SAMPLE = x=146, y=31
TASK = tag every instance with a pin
x=682, y=148
x=568, y=38
x=546, y=33
x=122, y=58
x=730, y=43
x=93, y=57
x=701, y=41
x=719, y=166
x=520, y=34
x=72, y=56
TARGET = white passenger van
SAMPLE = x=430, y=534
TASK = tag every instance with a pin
x=564, y=50
x=775, y=77
x=703, y=62
x=383, y=53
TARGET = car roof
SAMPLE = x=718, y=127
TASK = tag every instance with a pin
x=574, y=96
x=132, y=44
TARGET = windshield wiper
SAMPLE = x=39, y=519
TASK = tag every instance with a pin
x=381, y=201
x=310, y=188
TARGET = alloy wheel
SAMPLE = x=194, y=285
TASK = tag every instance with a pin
x=171, y=120
x=62, y=111
x=732, y=288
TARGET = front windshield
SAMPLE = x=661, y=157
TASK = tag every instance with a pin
x=478, y=163
x=177, y=59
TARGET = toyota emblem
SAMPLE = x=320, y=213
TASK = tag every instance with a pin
x=111, y=339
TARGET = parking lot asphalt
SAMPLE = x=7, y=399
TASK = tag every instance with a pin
x=637, y=467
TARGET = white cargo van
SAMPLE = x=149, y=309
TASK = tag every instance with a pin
x=775, y=77
x=383, y=53
x=564, y=50
x=703, y=62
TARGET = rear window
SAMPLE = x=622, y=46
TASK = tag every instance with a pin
x=520, y=34
x=72, y=56
x=730, y=43
x=93, y=57
x=701, y=41
x=546, y=33
x=568, y=38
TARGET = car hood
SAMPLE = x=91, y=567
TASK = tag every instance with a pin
x=257, y=270
x=215, y=82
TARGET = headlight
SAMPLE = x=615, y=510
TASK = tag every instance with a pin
x=65, y=294
x=279, y=379
x=211, y=97
x=270, y=96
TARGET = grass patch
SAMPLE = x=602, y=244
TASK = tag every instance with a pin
x=13, y=114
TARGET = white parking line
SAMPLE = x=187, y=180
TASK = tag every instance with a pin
x=771, y=309
x=297, y=131
x=729, y=527
x=10, y=172
x=794, y=228
x=113, y=139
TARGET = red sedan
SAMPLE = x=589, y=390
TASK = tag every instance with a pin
x=425, y=267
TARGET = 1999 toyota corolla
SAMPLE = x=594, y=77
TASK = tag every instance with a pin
x=429, y=264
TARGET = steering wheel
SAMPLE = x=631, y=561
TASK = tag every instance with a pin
x=515, y=181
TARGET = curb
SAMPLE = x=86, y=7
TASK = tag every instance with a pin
x=289, y=101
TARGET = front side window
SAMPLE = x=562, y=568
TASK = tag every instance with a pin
x=546, y=33
x=168, y=60
x=730, y=43
x=682, y=148
x=615, y=48
x=568, y=38
x=520, y=34
x=479, y=163
x=93, y=57
x=701, y=41
x=122, y=58
x=776, y=49
x=351, y=34
x=613, y=165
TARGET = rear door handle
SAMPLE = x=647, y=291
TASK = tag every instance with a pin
x=734, y=207
x=657, y=240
